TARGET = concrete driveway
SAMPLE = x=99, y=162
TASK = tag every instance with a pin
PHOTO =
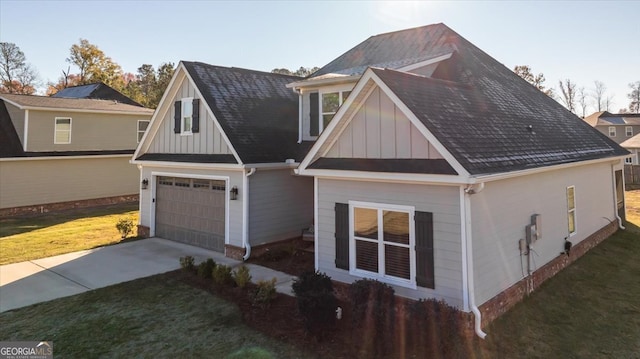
x=40, y=280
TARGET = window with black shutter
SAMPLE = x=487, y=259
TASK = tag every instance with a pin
x=342, y=235
x=314, y=114
x=424, y=249
x=177, y=117
x=195, y=126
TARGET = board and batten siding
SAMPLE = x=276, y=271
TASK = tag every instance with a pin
x=379, y=129
x=89, y=131
x=17, y=118
x=42, y=181
x=442, y=201
x=501, y=211
x=235, y=206
x=280, y=205
x=207, y=141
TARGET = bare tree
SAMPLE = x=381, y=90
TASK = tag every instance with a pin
x=568, y=94
x=598, y=94
x=538, y=80
x=608, y=103
x=582, y=100
x=16, y=75
x=634, y=96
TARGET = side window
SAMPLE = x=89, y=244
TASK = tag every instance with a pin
x=62, y=133
x=331, y=101
x=628, y=131
x=187, y=116
x=612, y=131
x=142, y=127
x=571, y=209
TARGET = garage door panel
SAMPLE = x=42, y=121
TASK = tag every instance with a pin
x=191, y=212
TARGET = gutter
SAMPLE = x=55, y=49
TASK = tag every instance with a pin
x=299, y=115
x=468, y=249
x=245, y=213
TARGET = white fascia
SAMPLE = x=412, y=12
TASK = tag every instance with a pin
x=187, y=165
x=420, y=64
x=338, y=79
x=49, y=158
x=450, y=180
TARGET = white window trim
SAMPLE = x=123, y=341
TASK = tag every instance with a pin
x=138, y=132
x=628, y=130
x=575, y=207
x=628, y=160
x=408, y=283
x=182, y=116
x=55, y=130
x=341, y=99
x=612, y=131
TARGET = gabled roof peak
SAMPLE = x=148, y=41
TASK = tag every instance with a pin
x=239, y=69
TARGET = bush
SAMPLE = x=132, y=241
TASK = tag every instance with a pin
x=241, y=276
x=205, y=269
x=436, y=328
x=125, y=227
x=222, y=275
x=187, y=263
x=265, y=293
x=316, y=302
x=373, y=315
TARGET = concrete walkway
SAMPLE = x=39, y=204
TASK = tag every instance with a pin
x=41, y=280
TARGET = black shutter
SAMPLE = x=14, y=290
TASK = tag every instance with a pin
x=314, y=113
x=195, y=126
x=424, y=249
x=342, y=236
x=177, y=117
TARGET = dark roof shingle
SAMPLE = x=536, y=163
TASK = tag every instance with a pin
x=97, y=91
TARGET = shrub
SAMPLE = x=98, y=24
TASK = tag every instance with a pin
x=205, y=269
x=241, y=276
x=316, y=302
x=436, y=328
x=265, y=293
x=187, y=263
x=373, y=314
x=222, y=275
x=125, y=227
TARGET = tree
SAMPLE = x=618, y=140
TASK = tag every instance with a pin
x=94, y=65
x=568, y=92
x=538, y=80
x=148, y=85
x=582, y=100
x=634, y=96
x=16, y=75
x=302, y=71
x=599, y=94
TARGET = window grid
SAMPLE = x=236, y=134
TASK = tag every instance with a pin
x=629, y=131
x=612, y=131
x=187, y=116
x=62, y=131
x=142, y=127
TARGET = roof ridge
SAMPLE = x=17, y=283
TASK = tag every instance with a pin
x=240, y=69
x=410, y=29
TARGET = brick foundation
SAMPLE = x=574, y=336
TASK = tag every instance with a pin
x=143, y=231
x=501, y=303
x=259, y=250
x=35, y=210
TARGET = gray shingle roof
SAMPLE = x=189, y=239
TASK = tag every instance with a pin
x=498, y=122
x=257, y=112
x=74, y=103
x=98, y=91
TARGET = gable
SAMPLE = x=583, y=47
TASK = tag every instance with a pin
x=380, y=130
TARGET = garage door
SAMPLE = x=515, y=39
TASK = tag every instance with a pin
x=191, y=211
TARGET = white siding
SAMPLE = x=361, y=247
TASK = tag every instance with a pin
x=235, y=206
x=501, y=211
x=280, y=205
x=380, y=130
x=207, y=141
x=442, y=201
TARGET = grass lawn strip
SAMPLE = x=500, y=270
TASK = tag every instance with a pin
x=151, y=317
x=23, y=239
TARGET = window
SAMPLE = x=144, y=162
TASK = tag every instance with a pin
x=62, y=131
x=165, y=181
x=187, y=116
x=571, y=209
x=187, y=119
x=628, y=160
x=382, y=239
x=612, y=131
x=331, y=101
x=628, y=131
x=142, y=126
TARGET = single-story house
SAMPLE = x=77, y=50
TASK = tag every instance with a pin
x=58, y=153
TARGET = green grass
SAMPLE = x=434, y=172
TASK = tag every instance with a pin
x=151, y=317
x=24, y=239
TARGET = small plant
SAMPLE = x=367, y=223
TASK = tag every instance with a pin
x=125, y=227
x=222, y=275
x=265, y=293
x=241, y=276
x=187, y=263
x=206, y=268
x=316, y=301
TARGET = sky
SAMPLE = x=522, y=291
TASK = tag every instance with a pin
x=582, y=41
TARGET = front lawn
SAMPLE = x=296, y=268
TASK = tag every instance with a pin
x=23, y=239
x=146, y=318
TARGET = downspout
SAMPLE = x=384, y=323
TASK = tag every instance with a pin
x=615, y=196
x=472, y=301
x=245, y=213
x=299, y=115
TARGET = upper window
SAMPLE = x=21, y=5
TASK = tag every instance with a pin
x=62, y=131
x=382, y=242
x=187, y=115
x=612, y=131
x=142, y=126
x=331, y=101
x=571, y=209
x=628, y=131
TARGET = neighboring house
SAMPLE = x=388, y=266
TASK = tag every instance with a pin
x=96, y=91
x=619, y=127
x=58, y=153
x=219, y=158
x=633, y=146
x=440, y=166
x=433, y=168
